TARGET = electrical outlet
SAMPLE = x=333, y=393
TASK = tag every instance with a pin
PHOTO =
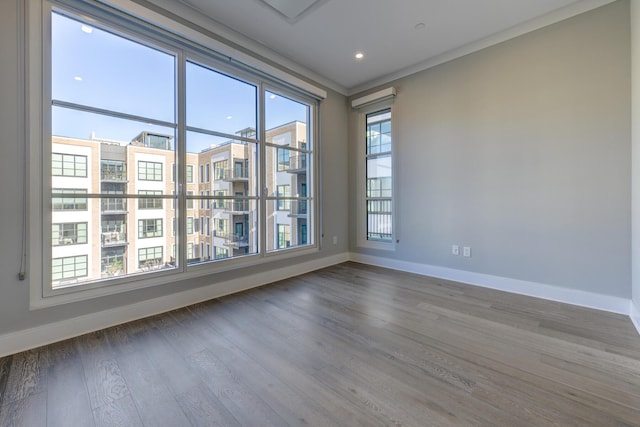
x=335, y=240
x=455, y=250
x=466, y=251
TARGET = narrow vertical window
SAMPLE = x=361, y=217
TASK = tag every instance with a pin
x=379, y=166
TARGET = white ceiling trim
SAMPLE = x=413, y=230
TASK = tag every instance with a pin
x=518, y=30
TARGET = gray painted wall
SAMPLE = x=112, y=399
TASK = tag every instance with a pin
x=14, y=295
x=521, y=151
x=635, y=126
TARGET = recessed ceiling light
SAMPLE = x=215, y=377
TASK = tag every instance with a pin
x=272, y=96
x=229, y=117
x=359, y=55
x=77, y=78
x=419, y=26
x=87, y=29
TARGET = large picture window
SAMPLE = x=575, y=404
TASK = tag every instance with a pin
x=125, y=154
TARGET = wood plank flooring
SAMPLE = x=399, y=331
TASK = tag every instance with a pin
x=349, y=345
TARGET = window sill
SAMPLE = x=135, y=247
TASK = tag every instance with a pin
x=135, y=282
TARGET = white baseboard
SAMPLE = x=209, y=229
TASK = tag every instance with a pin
x=16, y=342
x=539, y=290
x=635, y=316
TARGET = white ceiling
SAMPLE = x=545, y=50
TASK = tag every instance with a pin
x=325, y=37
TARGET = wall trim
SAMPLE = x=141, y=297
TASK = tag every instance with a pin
x=538, y=290
x=635, y=316
x=15, y=342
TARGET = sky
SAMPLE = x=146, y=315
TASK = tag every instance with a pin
x=98, y=69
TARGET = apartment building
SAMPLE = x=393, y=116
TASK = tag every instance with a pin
x=127, y=191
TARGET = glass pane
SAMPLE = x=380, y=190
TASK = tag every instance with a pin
x=379, y=182
x=121, y=157
x=232, y=231
x=379, y=132
x=286, y=121
x=288, y=223
x=95, y=68
x=127, y=240
x=228, y=165
x=379, y=219
x=287, y=168
x=220, y=103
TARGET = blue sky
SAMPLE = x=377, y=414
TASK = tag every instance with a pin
x=98, y=69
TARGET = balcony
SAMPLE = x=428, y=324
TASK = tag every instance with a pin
x=232, y=240
x=236, y=206
x=237, y=240
x=113, y=176
x=114, y=206
x=298, y=208
x=236, y=174
x=113, y=238
x=297, y=164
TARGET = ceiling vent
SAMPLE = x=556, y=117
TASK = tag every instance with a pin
x=292, y=10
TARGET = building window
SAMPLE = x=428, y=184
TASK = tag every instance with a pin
x=219, y=203
x=207, y=173
x=149, y=257
x=379, y=194
x=284, y=191
x=190, y=200
x=148, y=203
x=219, y=170
x=189, y=174
x=68, y=165
x=189, y=225
x=112, y=262
x=71, y=267
x=149, y=171
x=221, y=228
x=284, y=236
x=189, y=250
x=221, y=253
x=65, y=199
x=113, y=170
x=73, y=233
x=149, y=228
x=284, y=158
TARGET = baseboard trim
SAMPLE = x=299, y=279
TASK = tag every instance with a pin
x=635, y=316
x=538, y=290
x=18, y=341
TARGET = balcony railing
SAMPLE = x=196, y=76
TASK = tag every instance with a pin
x=297, y=164
x=113, y=238
x=241, y=206
x=114, y=206
x=232, y=239
x=298, y=207
x=236, y=174
x=237, y=240
x=117, y=176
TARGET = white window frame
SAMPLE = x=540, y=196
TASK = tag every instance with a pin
x=38, y=101
x=378, y=101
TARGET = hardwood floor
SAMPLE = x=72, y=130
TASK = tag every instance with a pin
x=349, y=345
